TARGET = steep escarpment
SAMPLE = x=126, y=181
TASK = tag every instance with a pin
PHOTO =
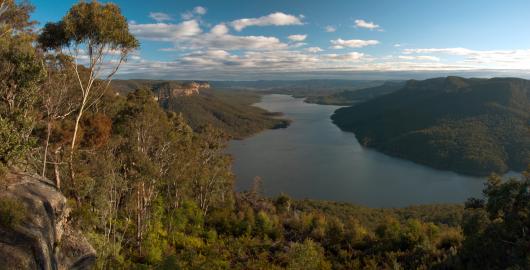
x=471, y=126
x=161, y=88
x=171, y=90
x=34, y=230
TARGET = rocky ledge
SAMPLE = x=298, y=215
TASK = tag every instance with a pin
x=43, y=238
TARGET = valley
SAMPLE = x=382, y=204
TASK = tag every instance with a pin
x=276, y=135
x=314, y=159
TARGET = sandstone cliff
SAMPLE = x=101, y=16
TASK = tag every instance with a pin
x=171, y=89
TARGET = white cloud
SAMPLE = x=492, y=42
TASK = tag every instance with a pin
x=220, y=29
x=397, y=45
x=364, y=24
x=168, y=49
x=217, y=61
x=277, y=18
x=352, y=43
x=353, y=56
x=188, y=15
x=314, y=49
x=189, y=36
x=210, y=58
x=487, y=59
x=222, y=64
x=232, y=42
x=159, y=16
x=297, y=44
x=297, y=37
x=330, y=29
x=199, y=10
x=164, y=31
x=204, y=50
x=270, y=60
x=419, y=57
x=452, y=51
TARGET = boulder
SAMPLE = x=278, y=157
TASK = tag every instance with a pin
x=43, y=239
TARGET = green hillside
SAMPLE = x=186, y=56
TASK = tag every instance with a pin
x=471, y=126
x=229, y=110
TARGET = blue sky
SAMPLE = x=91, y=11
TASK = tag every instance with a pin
x=276, y=39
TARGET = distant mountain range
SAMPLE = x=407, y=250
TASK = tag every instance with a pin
x=298, y=88
x=350, y=97
x=317, y=84
x=470, y=126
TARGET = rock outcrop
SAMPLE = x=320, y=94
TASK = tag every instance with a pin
x=173, y=90
x=43, y=239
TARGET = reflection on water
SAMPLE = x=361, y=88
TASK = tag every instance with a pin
x=314, y=159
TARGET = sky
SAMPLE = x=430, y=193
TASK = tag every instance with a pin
x=301, y=39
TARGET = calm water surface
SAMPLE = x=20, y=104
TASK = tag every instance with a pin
x=314, y=159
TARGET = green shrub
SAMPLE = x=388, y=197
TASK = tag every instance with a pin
x=12, y=212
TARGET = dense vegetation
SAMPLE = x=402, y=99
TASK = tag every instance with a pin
x=230, y=110
x=151, y=193
x=350, y=97
x=471, y=126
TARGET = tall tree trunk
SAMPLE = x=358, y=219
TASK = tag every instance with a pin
x=74, y=138
x=76, y=128
x=48, y=131
x=139, y=220
x=56, y=169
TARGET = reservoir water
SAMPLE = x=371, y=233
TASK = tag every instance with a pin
x=314, y=159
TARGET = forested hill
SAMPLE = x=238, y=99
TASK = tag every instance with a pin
x=471, y=126
x=229, y=110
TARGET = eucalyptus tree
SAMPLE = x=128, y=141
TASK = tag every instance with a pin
x=212, y=182
x=58, y=102
x=96, y=36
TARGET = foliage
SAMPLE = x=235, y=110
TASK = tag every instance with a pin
x=12, y=212
x=499, y=226
x=20, y=75
x=471, y=126
x=306, y=255
x=101, y=26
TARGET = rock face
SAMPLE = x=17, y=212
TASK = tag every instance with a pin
x=43, y=239
x=173, y=90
